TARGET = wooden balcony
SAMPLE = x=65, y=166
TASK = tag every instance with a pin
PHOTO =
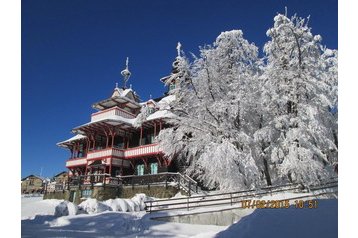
x=111, y=113
x=143, y=150
x=76, y=162
x=105, y=153
x=93, y=180
x=140, y=151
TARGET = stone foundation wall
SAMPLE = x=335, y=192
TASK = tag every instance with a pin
x=58, y=195
x=152, y=191
x=104, y=193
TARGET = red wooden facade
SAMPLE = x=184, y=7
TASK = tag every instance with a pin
x=113, y=143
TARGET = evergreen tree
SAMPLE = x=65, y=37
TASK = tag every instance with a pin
x=297, y=96
x=214, y=124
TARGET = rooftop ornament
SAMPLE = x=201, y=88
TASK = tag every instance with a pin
x=126, y=74
x=178, y=48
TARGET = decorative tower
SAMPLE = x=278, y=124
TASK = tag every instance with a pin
x=172, y=79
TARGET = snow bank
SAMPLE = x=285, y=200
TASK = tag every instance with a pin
x=32, y=207
x=134, y=204
x=92, y=206
x=65, y=208
x=178, y=195
x=139, y=200
x=292, y=222
x=52, y=207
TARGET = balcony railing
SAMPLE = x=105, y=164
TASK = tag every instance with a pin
x=110, y=113
x=144, y=150
x=124, y=153
x=93, y=180
x=76, y=162
x=141, y=150
x=109, y=152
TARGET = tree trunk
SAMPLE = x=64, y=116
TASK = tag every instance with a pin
x=267, y=173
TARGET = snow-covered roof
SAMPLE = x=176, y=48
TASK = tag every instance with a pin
x=63, y=172
x=76, y=137
x=165, y=102
x=119, y=96
x=160, y=114
x=37, y=176
x=113, y=120
x=122, y=92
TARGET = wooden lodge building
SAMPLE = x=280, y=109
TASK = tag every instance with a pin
x=117, y=146
x=33, y=184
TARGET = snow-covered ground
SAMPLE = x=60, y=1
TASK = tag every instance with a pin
x=48, y=218
x=292, y=222
x=58, y=218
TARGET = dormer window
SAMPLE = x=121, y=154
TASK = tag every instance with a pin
x=171, y=86
x=150, y=110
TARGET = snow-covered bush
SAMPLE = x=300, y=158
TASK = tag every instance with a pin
x=92, y=206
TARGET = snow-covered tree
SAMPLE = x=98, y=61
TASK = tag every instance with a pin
x=215, y=117
x=299, y=90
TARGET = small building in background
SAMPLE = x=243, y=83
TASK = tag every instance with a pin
x=58, y=182
x=33, y=184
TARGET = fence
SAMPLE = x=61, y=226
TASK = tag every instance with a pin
x=93, y=180
x=229, y=198
x=167, y=178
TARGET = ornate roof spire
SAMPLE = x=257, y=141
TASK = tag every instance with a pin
x=126, y=74
x=178, y=48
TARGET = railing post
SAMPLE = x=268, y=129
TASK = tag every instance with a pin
x=150, y=208
x=166, y=181
x=178, y=181
x=187, y=203
x=189, y=188
x=231, y=199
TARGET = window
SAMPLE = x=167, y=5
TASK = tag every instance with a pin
x=150, y=110
x=31, y=182
x=151, y=140
x=140, y=169
x=171, y=86
x=153, y=168
x=87, y=193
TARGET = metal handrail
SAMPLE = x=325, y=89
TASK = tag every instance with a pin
x=82, y=180
x=230, y=199
x=192, y=180
x=192, y=185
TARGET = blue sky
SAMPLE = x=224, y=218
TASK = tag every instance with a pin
x=73, y=52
